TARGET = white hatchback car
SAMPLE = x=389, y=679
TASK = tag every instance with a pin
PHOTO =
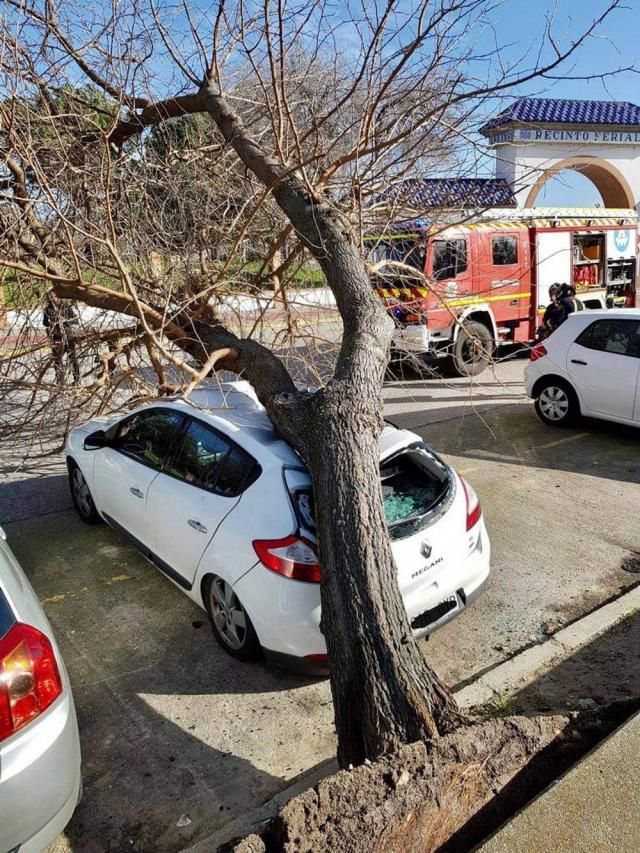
x=589, y=366
x=218, y=502
x=40, y=779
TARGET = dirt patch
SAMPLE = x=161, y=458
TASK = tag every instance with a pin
x=446, y=795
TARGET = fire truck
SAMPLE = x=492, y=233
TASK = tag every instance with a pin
x=458, y=291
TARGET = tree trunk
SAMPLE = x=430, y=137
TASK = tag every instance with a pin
x=384, y=693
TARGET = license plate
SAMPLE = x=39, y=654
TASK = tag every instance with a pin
x=434, y=614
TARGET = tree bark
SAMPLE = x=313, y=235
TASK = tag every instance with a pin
x=384, y=693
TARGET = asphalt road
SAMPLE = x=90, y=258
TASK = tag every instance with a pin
x=179, y=739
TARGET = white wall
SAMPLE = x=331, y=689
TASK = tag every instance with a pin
x=521, y=164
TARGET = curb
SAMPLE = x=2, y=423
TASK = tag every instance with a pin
x=504, y=678
x=518, y=671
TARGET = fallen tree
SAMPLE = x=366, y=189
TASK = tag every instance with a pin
x=305, y=129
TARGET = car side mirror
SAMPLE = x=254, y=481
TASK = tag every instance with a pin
x=96, y=440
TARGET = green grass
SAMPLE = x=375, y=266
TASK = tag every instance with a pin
x=502, y=704
x=23, y=291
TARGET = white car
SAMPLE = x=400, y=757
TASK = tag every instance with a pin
x=589, y=366
x=40, y=780
x=218, y=502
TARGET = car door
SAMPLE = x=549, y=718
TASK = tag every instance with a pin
x=604, y=364
x=201, y=483
x=125, y=469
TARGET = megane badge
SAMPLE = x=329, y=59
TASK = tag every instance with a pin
x=425, y=549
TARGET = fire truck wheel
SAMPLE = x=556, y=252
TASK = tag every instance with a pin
x=472, y=349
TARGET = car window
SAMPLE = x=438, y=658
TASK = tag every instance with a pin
x=236, y=472
x=7, y=619
x=504, y=250
x=200, y=456
x=407, y=252
x=147, y=435
x=208, y=460
x=412, y=481
x=621, y=337
x=449, y=258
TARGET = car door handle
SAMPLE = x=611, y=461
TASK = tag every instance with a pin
x=577, y=361
x=193, y=522
x=136, y=492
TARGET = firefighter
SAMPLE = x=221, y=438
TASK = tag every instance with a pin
x=555, y=313
x=568, y=299
x=59, y=318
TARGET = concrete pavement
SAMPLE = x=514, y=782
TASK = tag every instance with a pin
x=593, y=807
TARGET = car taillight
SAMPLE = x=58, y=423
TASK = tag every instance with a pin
x=29, y=677
x=537, y=352
x=474, y=510
x=291, y=557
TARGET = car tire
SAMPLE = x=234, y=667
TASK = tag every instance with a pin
x=81, y=496
x=472, y=350
x=556, y=403
x=230, y=622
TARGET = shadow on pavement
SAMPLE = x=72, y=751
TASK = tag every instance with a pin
x=606, y=670
x=514, y=435
x=20, y=499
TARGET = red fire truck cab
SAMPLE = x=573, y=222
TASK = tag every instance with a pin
x=458, y=291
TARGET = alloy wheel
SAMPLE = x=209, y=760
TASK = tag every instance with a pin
x=81, y=492
x=554, y=403
x=228, y=614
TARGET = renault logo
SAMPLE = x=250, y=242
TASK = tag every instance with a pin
x=425, y=549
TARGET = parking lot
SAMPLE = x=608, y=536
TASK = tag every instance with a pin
x=178, y=739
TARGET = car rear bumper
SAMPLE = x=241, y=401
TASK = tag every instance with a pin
x=464, y=596
x=311, y=666
x=286, y=613
x=40, y=779
x=532, y=373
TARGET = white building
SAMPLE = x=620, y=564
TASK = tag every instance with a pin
x=535, y=138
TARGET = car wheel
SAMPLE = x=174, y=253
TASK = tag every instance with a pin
x=556, y=404
x=81, y=496
x=471, y=351
x=230, y=622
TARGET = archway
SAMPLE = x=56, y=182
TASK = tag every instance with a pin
x=608, y=180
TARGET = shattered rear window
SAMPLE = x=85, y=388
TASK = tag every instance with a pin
x=412, y=482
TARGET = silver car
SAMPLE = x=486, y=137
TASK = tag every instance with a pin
x=39, y=744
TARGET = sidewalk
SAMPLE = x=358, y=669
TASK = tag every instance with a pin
x=593, y=807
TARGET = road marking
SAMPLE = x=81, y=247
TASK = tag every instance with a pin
x=560, y=441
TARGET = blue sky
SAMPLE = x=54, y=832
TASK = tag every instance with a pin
x=520, y=23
